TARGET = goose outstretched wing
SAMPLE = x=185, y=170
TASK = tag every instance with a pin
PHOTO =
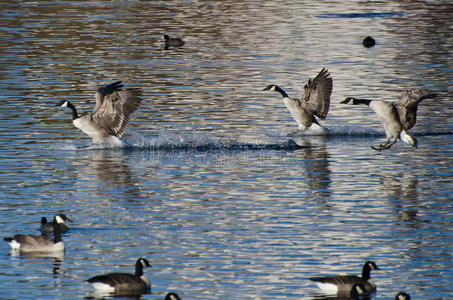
x=408, y=104
x=114, y=111
x=317, y=93
x=103, y=91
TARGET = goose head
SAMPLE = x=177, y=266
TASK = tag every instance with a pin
x=63, y=103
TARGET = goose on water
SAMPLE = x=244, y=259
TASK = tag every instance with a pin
x=123, y=283
x=37, y=243
x=107, y=122
x=344, y=283
x=315, y=102
x=396, y=117
x=47, y=227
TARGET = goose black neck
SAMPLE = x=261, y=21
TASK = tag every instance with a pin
x=282, y=92
x=361, y=101
x=56, y=231
x=138, y=268
x=43, y=220
x=74, y=111
x=366, y=272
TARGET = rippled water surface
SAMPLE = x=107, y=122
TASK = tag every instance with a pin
x=210, y=188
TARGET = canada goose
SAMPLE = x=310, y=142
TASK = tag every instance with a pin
x=123, y=283
x=172, y=42
x=316, y=100
x=396, y=117
x=110, y=115
x=368, y=42
x=47, y=227
x=402, y=296
x=344, y=283
x=172, y=296
x=37, y=243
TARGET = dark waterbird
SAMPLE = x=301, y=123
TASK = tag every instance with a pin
x=172, y=42
x=47, y=227
x=344, y=283
x=368, y=42
x=123, y=284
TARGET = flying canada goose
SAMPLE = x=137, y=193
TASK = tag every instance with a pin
x=110, y=115
x=172, y=42
x=396, y=117
x=172, y=296
x=344, y=283
x=37, y=243
x=47, y=227
x=402, y=296
x=123, y=283
x=316, y=100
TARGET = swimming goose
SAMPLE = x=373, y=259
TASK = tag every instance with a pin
x=402, y=296
x=172, y=42
x=344, y=283
x=396, y=117
x=110, y=115
x=172, y=296
x=316, y=100
x=47, y=227
x=37, y=243
x=123, y=283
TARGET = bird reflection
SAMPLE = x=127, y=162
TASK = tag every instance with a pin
x=316, y=156
x=112, y=172
x=57, y=258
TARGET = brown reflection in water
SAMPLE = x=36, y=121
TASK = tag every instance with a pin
x=111, y=172
x=317, y=169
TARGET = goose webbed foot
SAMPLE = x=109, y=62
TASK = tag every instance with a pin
x=385, y=146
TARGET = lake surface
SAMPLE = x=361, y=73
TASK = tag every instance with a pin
x=210, y=188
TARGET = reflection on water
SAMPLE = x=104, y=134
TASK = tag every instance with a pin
x=213, y=186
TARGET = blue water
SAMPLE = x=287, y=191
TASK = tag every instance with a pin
x=213, y=183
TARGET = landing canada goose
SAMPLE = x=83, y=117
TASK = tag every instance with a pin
x=402, y=296
x=344, y=283
x=172, y=296
x=368, y=42
x=316, y=100
x=172, y=42
x=47, y=227
x=37, y=243
x=110, y=115
x=123, y=283
x=396, y=117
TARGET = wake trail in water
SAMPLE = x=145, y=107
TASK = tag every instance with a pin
x=268, y=140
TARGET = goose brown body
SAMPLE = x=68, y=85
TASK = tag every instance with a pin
x=396, y=117
x=315, y=102
x=37, y=243
x=123, y=283
x=110, y=115
x=345, y=283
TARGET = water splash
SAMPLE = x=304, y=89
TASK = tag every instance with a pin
x=199, y=141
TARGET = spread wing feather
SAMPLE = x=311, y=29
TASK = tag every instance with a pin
x=115, y=109
x=407, y=106
x=317, y=93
